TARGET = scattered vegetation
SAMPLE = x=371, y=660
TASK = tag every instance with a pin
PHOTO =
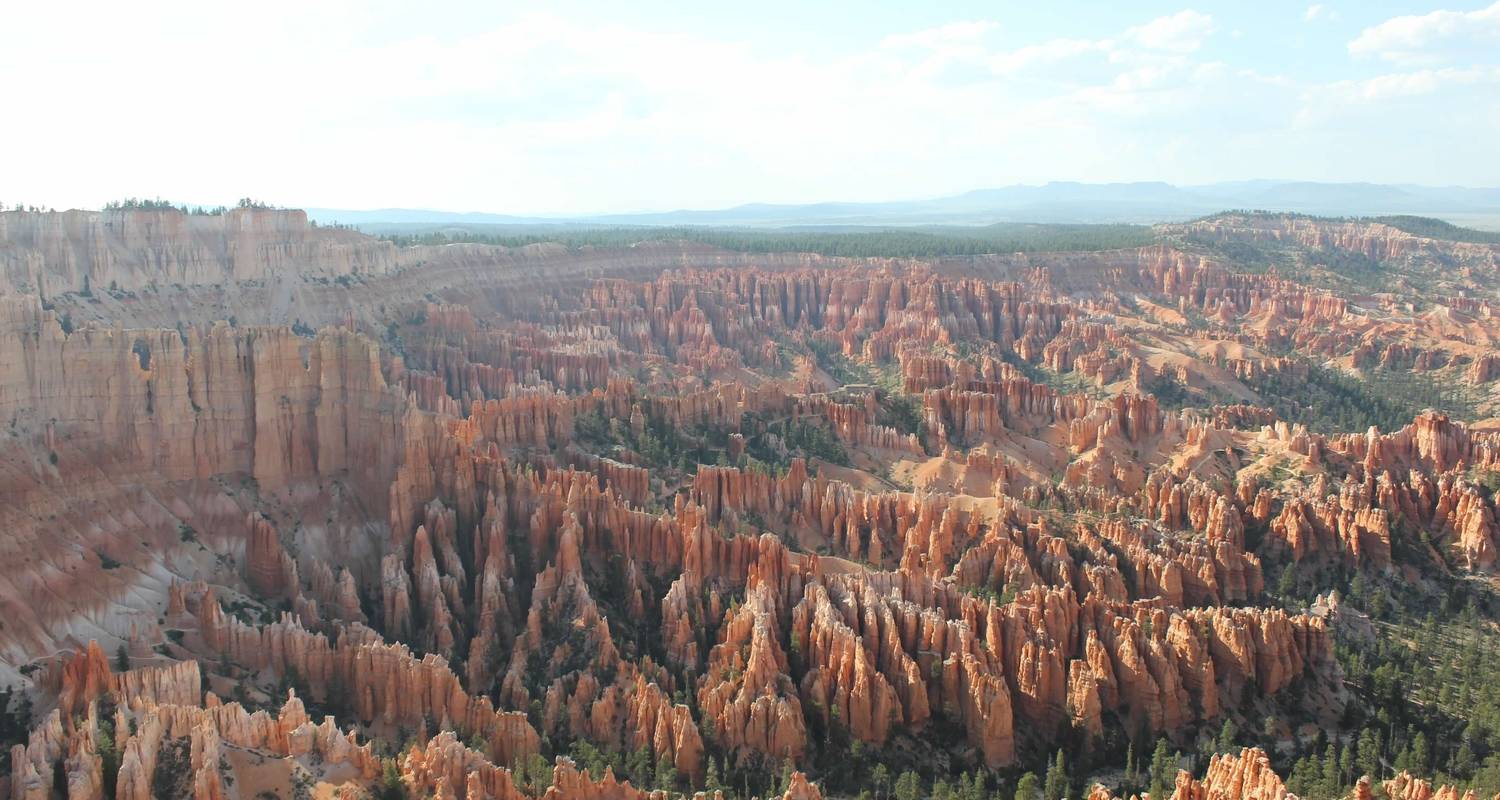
x=838, y=366
x=1330, y=401
x=1169, y=393
x=816, y=440
x=1425, y=680
x=901, y=411
x=15, y=722
x=925, y=242
x=173, y=776
x=158, y=204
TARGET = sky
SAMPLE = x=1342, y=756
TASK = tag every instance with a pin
x=598, y=107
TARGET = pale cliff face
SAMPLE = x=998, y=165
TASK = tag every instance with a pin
x=197, y=403
x=57, y=252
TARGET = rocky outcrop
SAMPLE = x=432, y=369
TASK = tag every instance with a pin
x=268, y=568
x=444, y=766
x=1339, y=527
x=85, y=676
x=1245, y=775
x=746, y=690
x=1405, y=786
x=378, y=681
x=840, y=679
x=801, y=789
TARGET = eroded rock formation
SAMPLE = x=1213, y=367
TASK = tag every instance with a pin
x=712, y=509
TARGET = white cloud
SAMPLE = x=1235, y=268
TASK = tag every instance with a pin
x=1402, y=85
x=1183, y=32
x=1318, y=11
x=1437, y=36
x=1164, y=39
x=944, y=35
x=1044, y=54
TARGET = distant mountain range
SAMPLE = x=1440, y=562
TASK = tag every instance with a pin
x=1145, y=202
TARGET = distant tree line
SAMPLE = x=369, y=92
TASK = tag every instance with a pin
x=1438, y=229
x=1427, y=227
x=884, y=242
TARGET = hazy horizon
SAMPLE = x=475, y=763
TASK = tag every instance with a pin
x=883, y=200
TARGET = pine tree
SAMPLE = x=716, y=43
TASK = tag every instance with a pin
x=973, y=788
x=881, y=777
x=1227, y=736
x=1057, y=778
x=1027, y=787
x=1163, y=766
x=1463, y=761
x=1287, y=584
x=109, y=756
x=1369, y=754
x=908, y=786
x=638, y=767
x=1487, y=778
x=1421, y=755
x=1303, y=778
x=712, y=782
x=666, y=773
x=391, y=785
x=1331, y=783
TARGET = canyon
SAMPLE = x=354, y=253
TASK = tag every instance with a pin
x=291, y=509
